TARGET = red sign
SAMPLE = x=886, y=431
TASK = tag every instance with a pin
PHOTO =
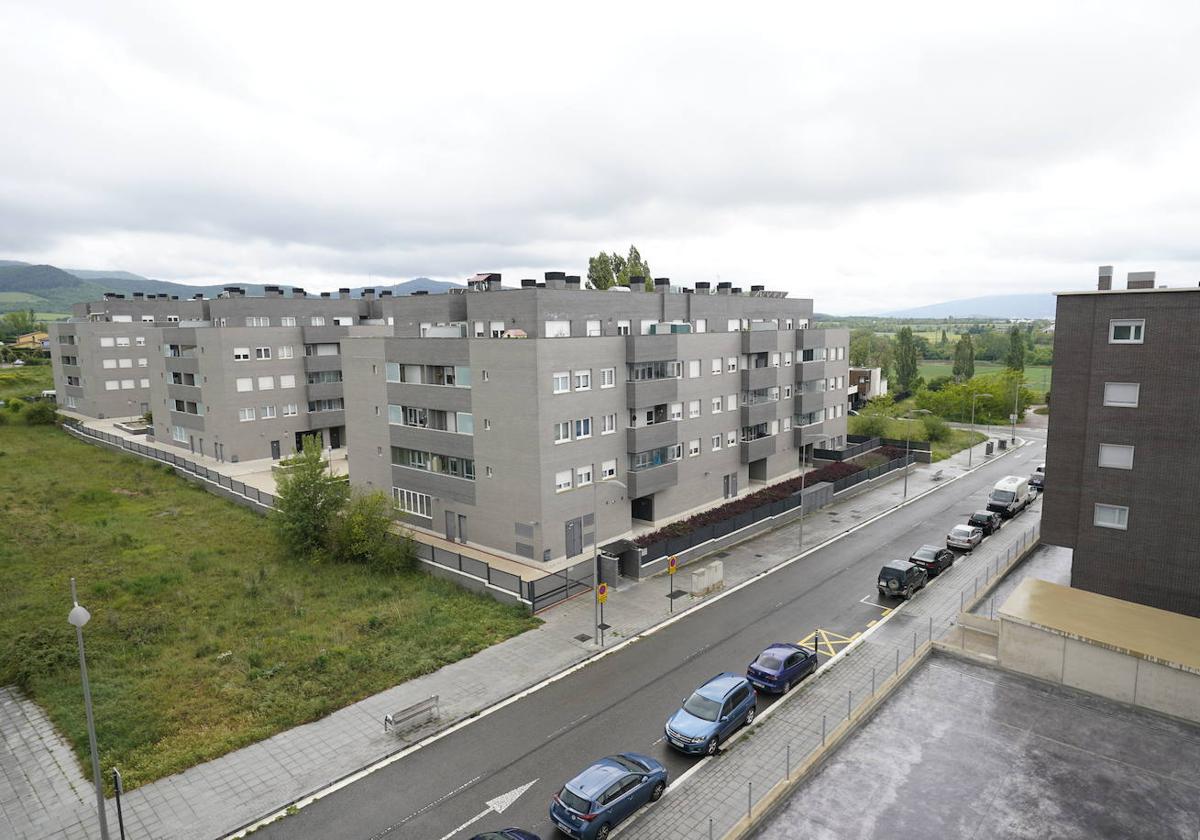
x=602, y=593
x=671, y=564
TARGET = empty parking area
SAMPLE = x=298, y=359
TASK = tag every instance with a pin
x=966, y=751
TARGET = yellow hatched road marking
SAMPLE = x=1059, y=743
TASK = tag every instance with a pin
x=827, y=641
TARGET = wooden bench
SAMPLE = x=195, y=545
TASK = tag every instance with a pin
x=412, y=716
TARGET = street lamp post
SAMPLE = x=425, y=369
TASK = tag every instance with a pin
x=819, y=439
x=908, y=441
x=79, y=617
x=596, y=548
x=1016, y=398
x=971, y=447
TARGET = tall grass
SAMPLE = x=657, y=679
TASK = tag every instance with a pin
x=203, y=638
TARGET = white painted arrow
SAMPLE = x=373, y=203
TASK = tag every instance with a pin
x=498, y=805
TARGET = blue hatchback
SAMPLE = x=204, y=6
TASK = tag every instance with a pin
x=781, y=666
x=592, y=804
x=713, y=713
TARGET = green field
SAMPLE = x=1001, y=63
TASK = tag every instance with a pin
x=203, y=637
x=23, y=381
x=1037, y=378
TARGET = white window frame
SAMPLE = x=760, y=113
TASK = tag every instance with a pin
x=241, y=354
x=583, y=379
x=693, y=409
x=244, y=384
x=108, y=364
x=1136, y=325
x=139, y=341
x=558, y=329
x=731, y=402
x=287, y=380
x=787, y=359
x=1115, y=456
x=583, y=428
x=675, y=411
x=562, y=432
x=1115, y=517
x=316, y=321
x=266, y=383
x=717, y=367
x=122, y=341
x=112, y=385
x=583, y=475
x=107, y=341
x=693, y=448
x=593, y=329
x=562, y=481
x=413, y=503
x=565, y=377
x=262, y=353
x=731, y=438
x=290, y=410
x=718, y=405
x=287, y=320
x=608, y=377
x=124, y=364
x=268, y=412
x=701, y=325
x=245, y=415
x=731, y=364
x=693, y=368
x=622, y=327
x=608, y=469
x=608, y=424
x=1112, y=402
x=716, y=443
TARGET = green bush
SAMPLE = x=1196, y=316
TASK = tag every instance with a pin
x=41, y=413
x=936, y=429
x=14, y=406
x=362, y=534
x=871, y=425
x=937, y=383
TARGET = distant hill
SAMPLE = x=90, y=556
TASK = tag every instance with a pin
x=45, y=288
x=990, y=306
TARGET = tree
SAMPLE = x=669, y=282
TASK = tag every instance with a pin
x=1015, y=359
x=964, y=359
x=362, y=534
x=600, y=272
x=945, y=340
x=870, y=350
x=41, y=413
x=906, y=358
x=633, y=266
x=307, y=500
x=17, y=323
x=954, y=401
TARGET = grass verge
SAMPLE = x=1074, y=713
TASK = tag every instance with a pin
x=898, y=429
x=21, y=381
x=202, y=639
x=1037, y=377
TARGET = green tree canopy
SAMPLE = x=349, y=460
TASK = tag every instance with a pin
x=953, y=402
x=307, y=499
x=964, y=359
x=607, y=270
x=13, y=324
x=1015, y=359
x=906, y=358
x=600, y=273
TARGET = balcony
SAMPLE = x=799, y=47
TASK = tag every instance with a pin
x=763, y=377
x=323, y=390
x=651, y=348
x=760, y=341
x=326, y=334
x=319, y=363
x=643, y=482
x=811, y=370
x=754, y=450
x=182, y=364
x=813, y=433
x=762, y=412
x=432, y=440
x=809, y=402
x=652, y=437
x=648, y=392
x=326, y=419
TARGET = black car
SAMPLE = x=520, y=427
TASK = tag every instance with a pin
x=901, y=579
x=1037, y=481
x=987, y=521
x=933, y=559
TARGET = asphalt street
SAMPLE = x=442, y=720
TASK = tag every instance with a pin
x=621, y=702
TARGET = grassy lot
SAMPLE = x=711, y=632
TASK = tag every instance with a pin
x=19, y=381
x=203, y=638
x=897, y=429
x=1037, y=378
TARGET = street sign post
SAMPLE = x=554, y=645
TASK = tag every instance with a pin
x=601, y=597
x=672, y=566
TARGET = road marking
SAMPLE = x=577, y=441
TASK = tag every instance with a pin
x=827, y=641
x=871, y=623
x=498, y=805
x=426, y=807
x=563, y=729
x=404, y=752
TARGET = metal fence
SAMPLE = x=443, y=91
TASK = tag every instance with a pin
x=470, y=567
x=859, y=446
x=870, y=473
x=555, y=588
x=878, y=667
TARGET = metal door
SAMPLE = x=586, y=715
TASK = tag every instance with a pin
x=462, y=528
x=275, y=450
x=574, y=534
x=335, y=438
x=449, y=525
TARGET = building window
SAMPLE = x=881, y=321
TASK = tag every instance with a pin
x=693, y=409
x=1116, y=457
x=179, y=433
x=465, y=423
x=593, y=328
x=558, y=329
x=608, y=377
x=268, y=412
x=693, y=368
x=417, y=504
x=287, y=380
x=125, y=363
x=391, y=371
x=608, y=424
x=108, y=364
x=701, y=325
x=245, y=384
x=731, y=402
x=262, y=352
x=1112, y=516
x=123, y=341
x=675, y=452
x=622, y=328
x=717, y=405
x=562, y=382
x=676, y=411
x=143, y=362
x=787, y=391
x=139, y=341
x=583, y=380
x=450, y=465
x=693, y=448
x=583, y=428
x=1121, y=394
x=241, y=354
x=648, y=324
x=106, y=341
x=287, y=321
x=787, y=359
x=488, y=472
x=1127, y=331
x=608, y=469
x=774, y=360
x=731, y=438
x=562, y=431
x=562, y=481
x=143, y=383
x=258, y=321
x=716, y=442
x=731, y=364
x=266, y=383
x=716, y=367
x=245, y=415
x=787, y=424
x=487, y=425
x=496, y=329
x=289, y=410
x=583, y=475
x=317, y=321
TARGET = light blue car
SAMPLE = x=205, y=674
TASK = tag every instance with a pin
x=713, y=713
x=596, y=801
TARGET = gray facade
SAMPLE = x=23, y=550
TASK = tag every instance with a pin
x=1122, y=453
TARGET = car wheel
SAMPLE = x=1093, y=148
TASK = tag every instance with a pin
x=603, y=832
x=657, y=793
x=787, y=686
x=750, y=715
x=711, y=748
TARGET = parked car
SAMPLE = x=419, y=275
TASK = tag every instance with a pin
x=966, y=537
x=713, y=713
x=932, y=559
x=507, y=834
x=1037, y=482
x=1041, y=468
x=596, y=801
x=988, y=521
x=781, y=666
x=901, y=579
x=1010, y=496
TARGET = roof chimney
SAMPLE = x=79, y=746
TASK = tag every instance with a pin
x=723, y=288
x=298, y=292
x=737, y=290
x=662, y=285
x=138, y=295
x=174, y=297
x=386, y=293
x=325, y=295
x=637, y=284
x=572, y=281
x=198, y=296
x=1105, y=278
x=419, y=293
x=343, y=293
x=556, y=280
x=528, y=283
x=702, y=287
x=1140, y=280
x=754, y=289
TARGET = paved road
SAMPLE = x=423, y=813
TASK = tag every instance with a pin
x=621, y=702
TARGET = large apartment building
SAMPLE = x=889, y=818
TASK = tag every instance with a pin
x=533, y=421
x=1122, y=455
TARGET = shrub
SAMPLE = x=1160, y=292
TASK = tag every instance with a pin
x=937, y=383
x=1047, y=398
x=362, y=534
x=14, y=406
x=41, y=413
x=936, y=429
x=871, y=425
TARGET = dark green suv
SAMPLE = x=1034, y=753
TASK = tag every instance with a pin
x=901, y=579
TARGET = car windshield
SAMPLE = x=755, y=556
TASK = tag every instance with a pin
x=1003, y=496
x=961, y=531
x=926, y=552
x=702, y=707
x=769, y=661
x=574, y=801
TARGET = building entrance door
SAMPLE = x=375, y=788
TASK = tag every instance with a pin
x=335, y=438
x=462, y=528
x=275, y=450
x=574, y=536
x=449, y=525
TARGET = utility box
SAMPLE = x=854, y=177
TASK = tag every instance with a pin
x=989, y=448
x=716, y=575
x=609, y=568
x=1003, y=444
x=699, y=582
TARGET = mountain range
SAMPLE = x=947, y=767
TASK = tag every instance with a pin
x=50, y=291
x=990, y=306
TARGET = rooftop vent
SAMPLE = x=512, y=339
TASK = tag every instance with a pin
x=298, y=292
x=528, y=283
x=1140, y=280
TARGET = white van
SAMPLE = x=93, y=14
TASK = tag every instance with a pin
x=1010, y=496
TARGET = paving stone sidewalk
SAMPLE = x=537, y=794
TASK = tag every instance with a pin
x=725, y=787
x=44, y=793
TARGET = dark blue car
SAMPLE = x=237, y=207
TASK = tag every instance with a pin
x=713, y=713
x=781, y=666
x=592, y=804
x=507, y=834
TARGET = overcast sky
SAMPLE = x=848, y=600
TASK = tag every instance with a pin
x=870, y=156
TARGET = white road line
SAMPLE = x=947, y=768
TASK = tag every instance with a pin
x=362, y=773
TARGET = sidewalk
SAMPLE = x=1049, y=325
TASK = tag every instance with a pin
x=791, y=735
x=221, y=796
